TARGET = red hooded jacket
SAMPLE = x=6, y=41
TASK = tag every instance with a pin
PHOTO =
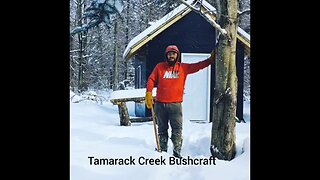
x=170, y=80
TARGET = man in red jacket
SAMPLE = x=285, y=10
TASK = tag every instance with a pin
x=170, y=77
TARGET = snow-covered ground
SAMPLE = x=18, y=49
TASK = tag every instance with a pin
x=95, y=134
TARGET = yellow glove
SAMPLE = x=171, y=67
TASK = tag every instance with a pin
x=149, y=100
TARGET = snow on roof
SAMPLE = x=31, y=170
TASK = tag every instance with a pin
x=154, y=26
x=208, y=5
x=242, y=32
x=171, y=15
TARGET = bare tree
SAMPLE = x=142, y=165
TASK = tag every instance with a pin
x=116, y=59
x=223, y=136
x=82, y=38
x=89, y=43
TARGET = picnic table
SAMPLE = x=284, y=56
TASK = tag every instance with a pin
x=121, y=97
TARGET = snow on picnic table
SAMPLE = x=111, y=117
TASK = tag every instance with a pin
x=131, y=93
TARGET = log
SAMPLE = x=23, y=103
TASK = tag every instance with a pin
x=124, y=115
x=123, y=110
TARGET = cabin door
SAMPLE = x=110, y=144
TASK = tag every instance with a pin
x=196, y=99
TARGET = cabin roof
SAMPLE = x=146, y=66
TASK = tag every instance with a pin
x=169, y=19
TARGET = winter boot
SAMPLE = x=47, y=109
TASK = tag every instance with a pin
x=177, y=143
x=163, y=140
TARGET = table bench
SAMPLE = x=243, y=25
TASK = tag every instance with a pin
x=120, y=98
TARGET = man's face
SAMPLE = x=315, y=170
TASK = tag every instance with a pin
x=172, y=56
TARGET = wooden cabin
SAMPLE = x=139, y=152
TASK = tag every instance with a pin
x=195, y=38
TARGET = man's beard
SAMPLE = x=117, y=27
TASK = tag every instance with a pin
x=172, y=63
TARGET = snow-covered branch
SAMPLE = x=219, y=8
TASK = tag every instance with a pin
x=244, y=12
x=207, y=17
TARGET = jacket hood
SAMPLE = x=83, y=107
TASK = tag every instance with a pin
x=173, y=48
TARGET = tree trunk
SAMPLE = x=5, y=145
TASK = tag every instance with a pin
x=223, y=134
x=127, y=37
x=116, y=59
x=82, y=41
x=80, y=52
x=80, y=60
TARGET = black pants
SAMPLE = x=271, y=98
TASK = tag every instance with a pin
x=169, y=113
